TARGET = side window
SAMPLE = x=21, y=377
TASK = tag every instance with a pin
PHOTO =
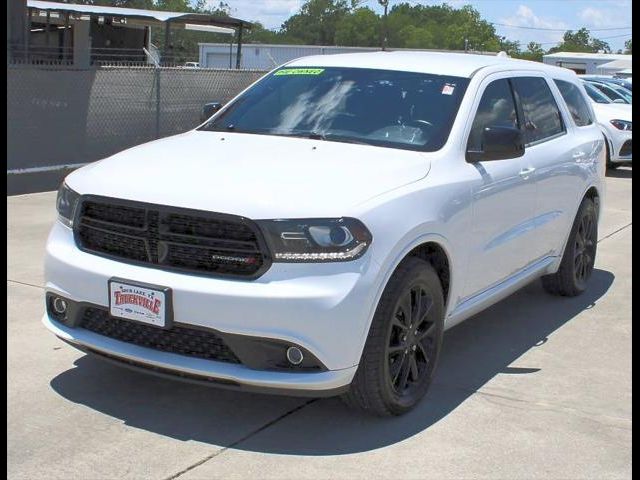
x=541, y=115
x=575, y=101
x=497, y=108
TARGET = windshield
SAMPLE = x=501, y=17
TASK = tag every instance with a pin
x=378, y=107
x=610, y=92
x=595, y=94
x=626, y=94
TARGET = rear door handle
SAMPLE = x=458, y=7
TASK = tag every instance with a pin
x=527, y=171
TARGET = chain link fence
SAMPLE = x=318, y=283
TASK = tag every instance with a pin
x=59, y=116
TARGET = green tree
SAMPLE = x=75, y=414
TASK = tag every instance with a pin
x=511, y=47
x=260, y=34
x=415, y=37
x=580, y=41
x=627, y=47
x=317, y=21
x=446, y=28
x=361, y=28
x=534, y=52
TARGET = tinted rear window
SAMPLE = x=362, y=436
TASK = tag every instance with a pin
x=497, y=108
x=542, y=118
x=576, y=103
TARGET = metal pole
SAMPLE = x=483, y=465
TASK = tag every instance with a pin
x=27, y=38
x=47, y=35
x=166, y=42
x=239, y=50
x=157, y=79
x=65, y=37
x=383, y=40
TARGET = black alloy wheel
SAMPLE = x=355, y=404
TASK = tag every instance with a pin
x=579, y=256
x=584, y=252
x=411, y=341
x=404, y=342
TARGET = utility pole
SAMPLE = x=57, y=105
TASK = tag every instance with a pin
x=385, y=4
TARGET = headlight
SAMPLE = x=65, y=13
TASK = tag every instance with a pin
x=316, y=239
x=66, y=204
x=621, y=124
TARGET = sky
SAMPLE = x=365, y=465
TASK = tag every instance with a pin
x=543, y=14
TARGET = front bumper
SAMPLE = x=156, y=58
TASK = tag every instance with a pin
x=620, y=147
x=203, y=371
x=324, y=308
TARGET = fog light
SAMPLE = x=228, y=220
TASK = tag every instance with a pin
x=294, y=355
x=59, y=306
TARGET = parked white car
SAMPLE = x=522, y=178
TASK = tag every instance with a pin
x=615, y=122
x=318, y=233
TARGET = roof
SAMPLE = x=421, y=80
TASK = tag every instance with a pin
x=339, y=47
x=155, y=15
x=616, y=65
x=588, y=56
x=443, y=63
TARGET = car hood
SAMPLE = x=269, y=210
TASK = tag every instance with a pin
x=256, y=176
x=610, y=111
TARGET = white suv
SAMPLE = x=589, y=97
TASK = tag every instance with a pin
x=318, y=233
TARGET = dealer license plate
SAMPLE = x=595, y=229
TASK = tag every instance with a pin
x=140, y=302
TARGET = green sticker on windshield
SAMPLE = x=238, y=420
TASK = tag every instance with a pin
x=300, y=71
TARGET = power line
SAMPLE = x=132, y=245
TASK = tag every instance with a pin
x=603, y=38
x=418, y=2
x=558, y=29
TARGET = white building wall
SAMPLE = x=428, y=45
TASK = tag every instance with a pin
x=581, y=62
x=266, y=57
x=262, y=57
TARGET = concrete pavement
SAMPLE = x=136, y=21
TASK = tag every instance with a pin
x=534, y=387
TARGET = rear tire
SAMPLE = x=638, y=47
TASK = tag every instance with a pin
x=404, y=342
x=579, y=256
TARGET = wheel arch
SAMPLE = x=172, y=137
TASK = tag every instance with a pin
x=432, y=248
x=592, y=192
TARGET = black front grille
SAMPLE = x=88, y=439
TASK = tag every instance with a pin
x=171, y=238
x=625, y=151
x=178, y=339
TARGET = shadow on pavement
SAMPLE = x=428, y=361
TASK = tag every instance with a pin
x=474, y=352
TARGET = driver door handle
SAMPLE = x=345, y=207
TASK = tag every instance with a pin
x=525, y=172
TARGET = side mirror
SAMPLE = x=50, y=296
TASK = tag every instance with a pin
x=619, y=100
x=498, y=143
x=209, y=109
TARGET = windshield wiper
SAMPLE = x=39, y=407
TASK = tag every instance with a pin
x=331, y=137
x=326, y=137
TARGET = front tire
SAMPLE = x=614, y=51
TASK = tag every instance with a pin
x=609, y=163
x=579, y=256
x=404, y=342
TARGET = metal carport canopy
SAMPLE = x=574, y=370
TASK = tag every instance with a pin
x=180, y=18
x=615, y=65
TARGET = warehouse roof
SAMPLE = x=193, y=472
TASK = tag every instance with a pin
x=589, y=55
x=135, y=13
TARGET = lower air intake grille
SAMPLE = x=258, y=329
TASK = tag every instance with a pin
x=179, y=339
x=625, y=151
